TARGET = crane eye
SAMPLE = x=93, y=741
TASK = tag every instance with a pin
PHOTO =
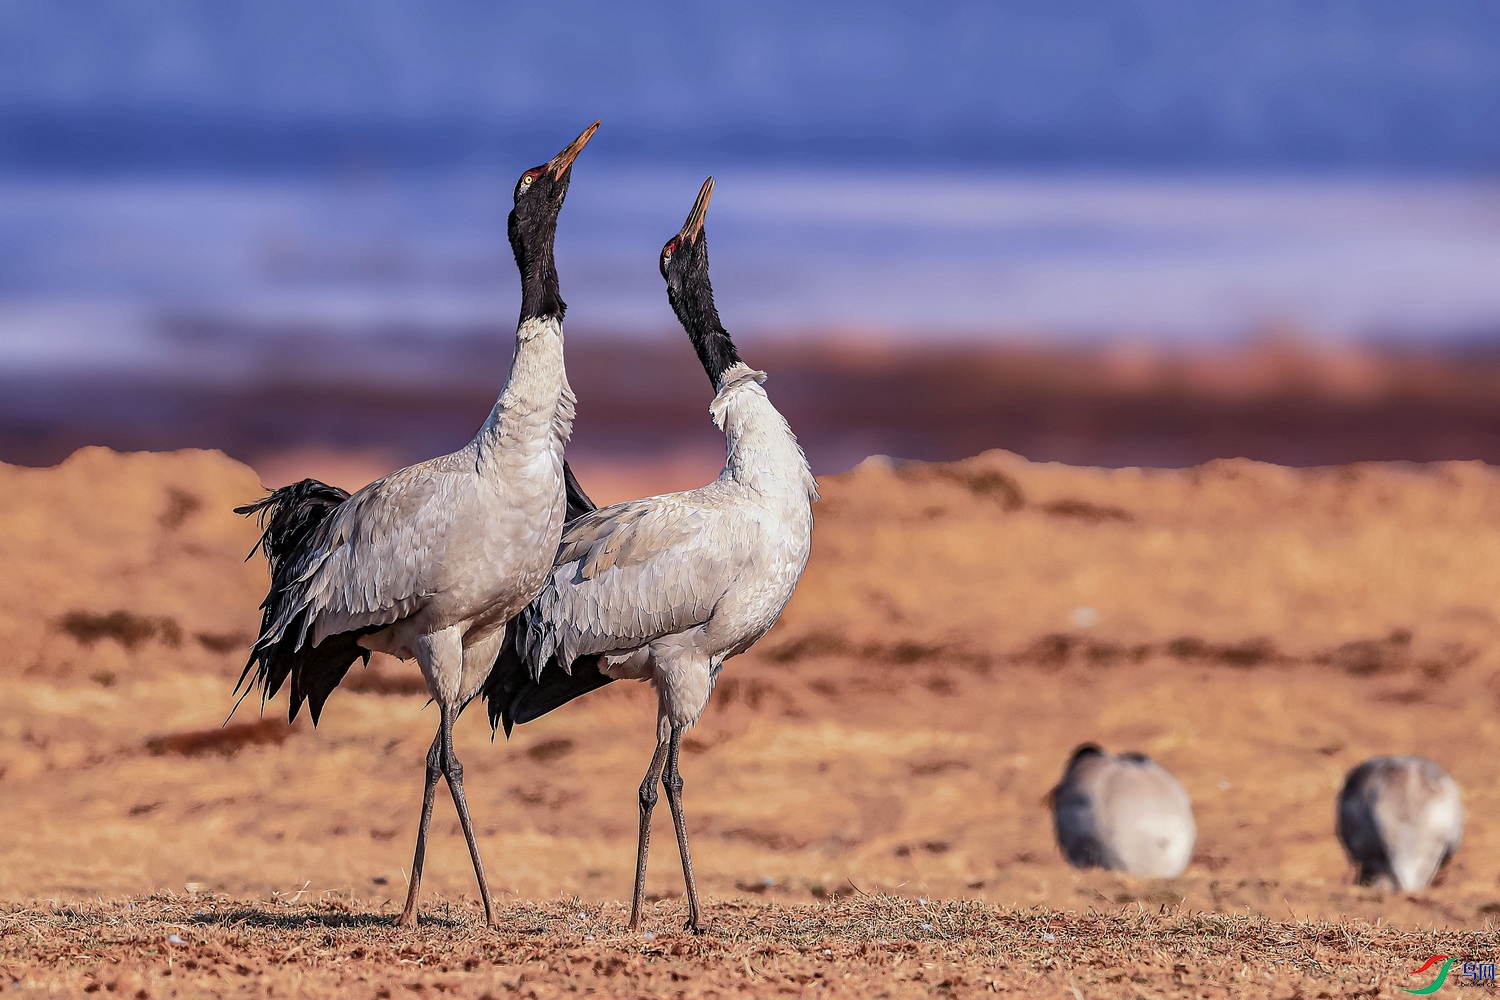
x=525, y=181
x=666, y=255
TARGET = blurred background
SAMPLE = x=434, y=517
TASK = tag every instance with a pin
x=1150, y=232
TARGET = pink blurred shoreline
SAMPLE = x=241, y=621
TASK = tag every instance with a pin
x=644, y=402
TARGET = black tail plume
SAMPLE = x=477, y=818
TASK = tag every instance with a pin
x=579, y=503
x=290, y=516
x=512, y=697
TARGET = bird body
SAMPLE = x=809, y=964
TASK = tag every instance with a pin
x=431, y=562
x=1400, y=819
x=667, y=588
x=1123, y=812
x=456, y=544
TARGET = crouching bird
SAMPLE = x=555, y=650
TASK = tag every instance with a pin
x=1123, y=812
x=1400, y=819
x=431, y=562
x=667, y=588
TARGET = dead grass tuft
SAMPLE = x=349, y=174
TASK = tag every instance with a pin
x=551, y=750
x=128, y=629
x=225, y=741
x=1091, y=513
x=848, y=945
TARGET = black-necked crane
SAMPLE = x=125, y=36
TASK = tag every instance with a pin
x=667, y=588
x=431, y=562
x=1123, y=812
x=1400, y=819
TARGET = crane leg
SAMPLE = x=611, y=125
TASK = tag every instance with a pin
x=671, y=780
x=643, y=844
x=454, y=772
x=413, y=889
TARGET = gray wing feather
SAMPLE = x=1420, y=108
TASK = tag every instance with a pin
x=628, y=574
x=368, y=563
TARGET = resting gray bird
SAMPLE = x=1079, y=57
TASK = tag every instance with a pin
x=1124, y=813
x=1400, y=819
x=432, y=561
x=667, y=588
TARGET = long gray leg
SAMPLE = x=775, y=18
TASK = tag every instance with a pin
x=671, y=780
x=434, y=770
x=643, y=844
x=454, y=772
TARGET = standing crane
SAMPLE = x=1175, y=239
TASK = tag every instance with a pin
x=431, y=562
x=1123, y=812
x=1400, y=819
x=667, y=588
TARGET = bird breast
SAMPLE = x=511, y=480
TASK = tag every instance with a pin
x=500, y=549
x=772, y=547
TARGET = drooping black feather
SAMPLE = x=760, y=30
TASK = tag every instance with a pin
x=579, y=503
x=290, y=516
x=511, y=696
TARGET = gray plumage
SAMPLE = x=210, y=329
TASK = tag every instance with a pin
x=684, y=580
x=1400, y=819
x=1123, y=812
x=667, y=588
x=431, y=562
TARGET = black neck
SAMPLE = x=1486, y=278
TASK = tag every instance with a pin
x=693, y=302
x=541, y=296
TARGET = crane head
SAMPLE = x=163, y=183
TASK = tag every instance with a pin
x=684, y=265
x=688, y=250
x=540, y=191
x=554, y=172
x=533, y=226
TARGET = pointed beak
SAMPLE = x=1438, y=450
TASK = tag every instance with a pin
x=560, y=163
x=693, y=227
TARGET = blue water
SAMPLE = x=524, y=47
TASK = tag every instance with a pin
x=244, y=84
x=167, y=274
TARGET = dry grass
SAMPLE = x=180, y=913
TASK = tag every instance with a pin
x=1258, y=631
x=166, y=946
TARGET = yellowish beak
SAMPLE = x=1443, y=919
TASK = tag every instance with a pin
x=560, y=163
x=693, y=227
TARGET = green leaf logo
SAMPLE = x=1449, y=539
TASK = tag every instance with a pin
x=1437, y=983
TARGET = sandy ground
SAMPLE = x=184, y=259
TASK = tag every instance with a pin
x=1257, y=630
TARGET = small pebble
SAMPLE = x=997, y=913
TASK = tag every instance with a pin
x=649, y=936
x=926, y=927
x=588, y=937
x=1049, y=937
x=173, y=939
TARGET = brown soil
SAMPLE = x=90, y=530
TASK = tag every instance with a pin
x=196, y=944
x=1257, y=630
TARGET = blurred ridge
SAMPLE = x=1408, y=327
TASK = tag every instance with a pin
x=1279, y=399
